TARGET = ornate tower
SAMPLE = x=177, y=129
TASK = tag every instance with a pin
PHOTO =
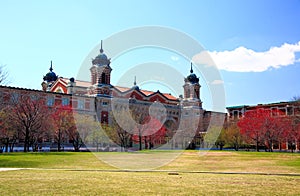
x=49, y=79
x=100, y=75
x=191, y=108
x=192, y=90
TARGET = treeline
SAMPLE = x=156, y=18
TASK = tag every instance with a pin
x=261, y=129
x=27, y=120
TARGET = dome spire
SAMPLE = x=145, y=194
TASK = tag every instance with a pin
x=101, y=59
x=192, y=78
x=51, y=69
x=101, y=49
x=50, y=76
x=135, y=87
x=134, y=83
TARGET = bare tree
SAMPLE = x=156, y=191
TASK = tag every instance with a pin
x=233, y=136
x=295, y=98
x=29, y=113
x=83, y=127
x=3, y=75
x=8, y=132
x=123, y=137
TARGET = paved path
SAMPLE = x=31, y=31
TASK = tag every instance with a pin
x=170, y=172
x=9, y=169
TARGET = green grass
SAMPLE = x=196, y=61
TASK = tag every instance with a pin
x=221, y=161
x=84, y=174
x=62, y=160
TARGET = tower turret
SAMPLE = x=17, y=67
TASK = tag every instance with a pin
x=192, y=89
x=100, y=75
x=49, y=79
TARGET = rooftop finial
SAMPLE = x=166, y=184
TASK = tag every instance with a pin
x=51, y=69
x=101, y=50
x=134, y=83
x=191, y=68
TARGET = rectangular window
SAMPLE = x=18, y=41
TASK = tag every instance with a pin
x=297, y=111
x=14, y=97
x=274, y=111
x=50, y=101
x=87, y=105
x=80, y=104
x=282, y=111
x=235, y=114
x=289, y=111
x=104, y=103
x=65, y=101
x=33, y=97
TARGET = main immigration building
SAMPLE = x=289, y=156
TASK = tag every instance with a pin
x=98, y=93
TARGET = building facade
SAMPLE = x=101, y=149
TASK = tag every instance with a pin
x=99, y=97
x=288, y=109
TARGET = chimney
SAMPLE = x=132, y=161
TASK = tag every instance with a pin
x=71, y=85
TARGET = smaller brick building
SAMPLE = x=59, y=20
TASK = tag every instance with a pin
x=289, y=109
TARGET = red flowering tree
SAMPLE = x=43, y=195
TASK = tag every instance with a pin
x=63, y=121
x=293, y=133
x=283, y=127
x=149, y=132
x=250, y=126
x=264, y=127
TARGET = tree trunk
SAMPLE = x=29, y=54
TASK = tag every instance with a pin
x=76, y=146
x=11, y=146
x=140, y=140
x=271, y=146
x=236, y=148
x=280, y=148
x=26, y=142
x=6, y=144
x=221, y=146
x=59, y=141
x=146, y=143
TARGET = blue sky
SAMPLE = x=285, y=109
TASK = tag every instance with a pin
x=255, y=44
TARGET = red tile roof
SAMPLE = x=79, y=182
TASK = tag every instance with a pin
x=120, y=88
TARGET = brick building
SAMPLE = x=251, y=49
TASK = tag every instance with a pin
x=288, y=109
x=97, y=97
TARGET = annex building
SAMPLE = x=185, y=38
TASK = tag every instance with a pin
x=285, y=109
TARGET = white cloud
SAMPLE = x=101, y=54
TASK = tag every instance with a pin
x=174, y=58
x=216, y=82
x=243, y=59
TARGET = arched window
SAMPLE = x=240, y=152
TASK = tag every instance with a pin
x=103, y=78
x=197, y=93
x=188, y=94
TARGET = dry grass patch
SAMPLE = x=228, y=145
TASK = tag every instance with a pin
x=237, y=162
x=97, y=178
x=34, y=182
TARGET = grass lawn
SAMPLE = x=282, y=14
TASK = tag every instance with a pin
x=84, y=174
